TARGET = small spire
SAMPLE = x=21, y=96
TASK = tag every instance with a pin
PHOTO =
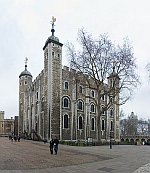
x=26, y=60
x=52, y=22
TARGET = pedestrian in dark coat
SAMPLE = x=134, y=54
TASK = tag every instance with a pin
x=51, y=145
x=18, y=138
x=56, y=142
x=15, y=138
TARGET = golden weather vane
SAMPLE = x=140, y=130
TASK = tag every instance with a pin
x=52, y=22
x=26, y=60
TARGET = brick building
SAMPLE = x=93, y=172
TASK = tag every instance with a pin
x=55, y=103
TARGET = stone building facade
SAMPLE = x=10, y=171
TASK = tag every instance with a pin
x=56, y=102
x=6, y=125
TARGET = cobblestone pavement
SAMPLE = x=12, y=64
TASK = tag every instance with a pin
x=34, y=157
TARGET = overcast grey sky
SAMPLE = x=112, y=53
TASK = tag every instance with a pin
x=25, y=26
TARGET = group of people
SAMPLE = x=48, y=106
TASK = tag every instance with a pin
x=15, y=138
x=54, y=145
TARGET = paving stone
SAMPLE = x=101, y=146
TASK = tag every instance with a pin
x=34, y=157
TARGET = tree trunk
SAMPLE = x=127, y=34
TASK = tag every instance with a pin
x=98, y=119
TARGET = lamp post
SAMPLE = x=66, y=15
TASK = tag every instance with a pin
x=110, y=144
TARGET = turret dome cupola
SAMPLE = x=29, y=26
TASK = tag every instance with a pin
x=25, y=72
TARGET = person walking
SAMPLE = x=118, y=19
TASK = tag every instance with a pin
x=56, y=142
x=18, y=138
x=15, y=138
x=51, y=144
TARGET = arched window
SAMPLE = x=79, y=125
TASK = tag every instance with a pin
x=80, y=105
x=65, y=102
x=93, y=124
x=80, y=123
x=66, y=125
x=92, y=108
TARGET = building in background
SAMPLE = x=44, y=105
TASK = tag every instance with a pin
x=58, y=102
x=6, y=125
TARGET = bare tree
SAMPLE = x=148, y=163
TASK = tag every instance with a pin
x=123, y=123
x=148, y=70
x=129, y=126
x=122, y=114
x=143, y=127
x=123, y=126
x=134, y=126
x=99, y=61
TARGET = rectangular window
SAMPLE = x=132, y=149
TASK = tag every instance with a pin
x=32, y=99
x=36, y=108
x=80, y=89
x=103, y=124
x=103, y=97
x=37, y=95
x=93, y=124
x=93, y=93
x=111, y=126
x=65, y=121
x=103, y=111
x=80, y=123
x=66, y=85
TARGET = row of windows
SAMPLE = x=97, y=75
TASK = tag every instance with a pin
x=53, y=53
x=56, y=45
x=80, y=123
x=80, y=90
x=25, y=83
x=66, y=87
x=80, y=106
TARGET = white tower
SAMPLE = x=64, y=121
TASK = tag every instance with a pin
x=53, y=79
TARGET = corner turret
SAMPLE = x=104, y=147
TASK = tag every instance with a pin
x=25, y=81
x=25, y=72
